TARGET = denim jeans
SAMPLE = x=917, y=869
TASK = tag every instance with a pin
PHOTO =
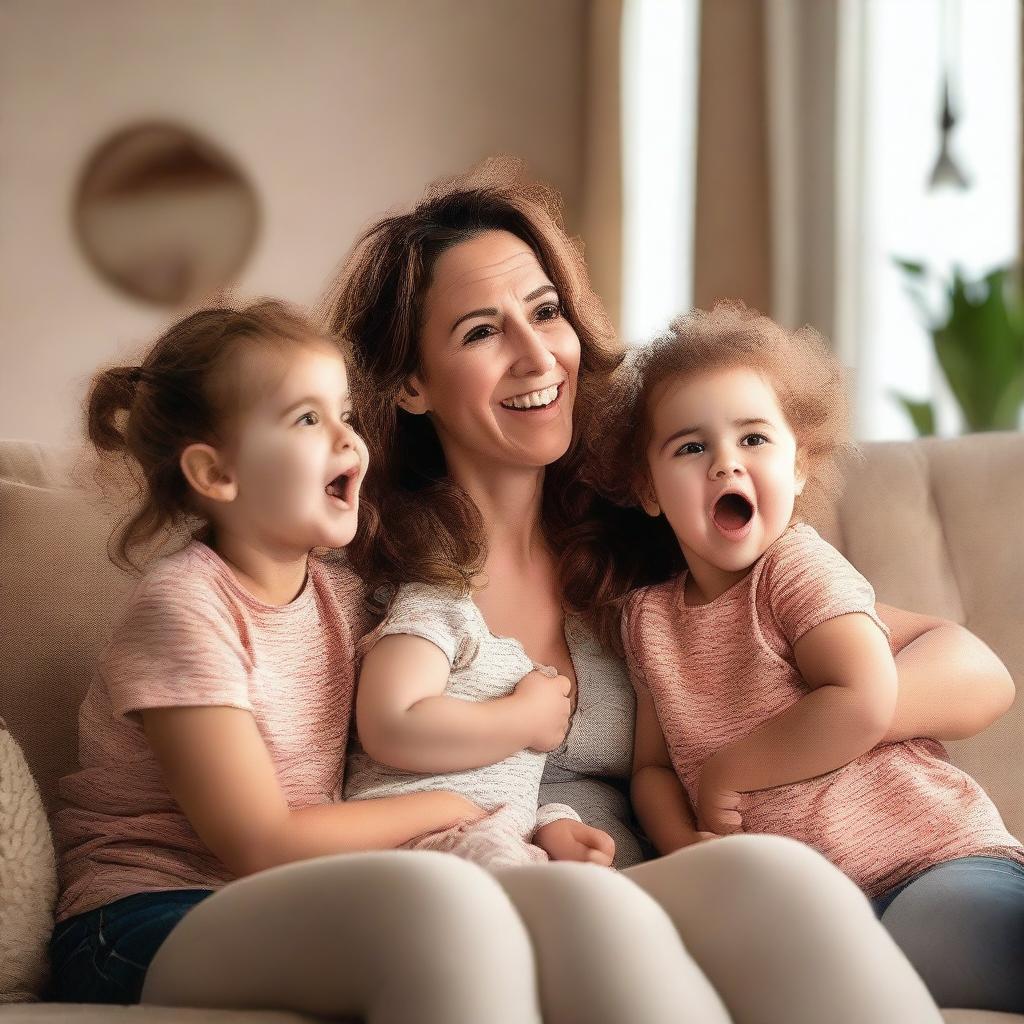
x=961, y=924
x=102, y=956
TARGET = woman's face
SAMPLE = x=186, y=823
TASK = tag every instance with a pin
x=498, y=360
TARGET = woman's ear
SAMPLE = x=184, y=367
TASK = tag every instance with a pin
x=412, y=396
x=207, y=474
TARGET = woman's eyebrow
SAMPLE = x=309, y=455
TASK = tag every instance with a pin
x=492, y=311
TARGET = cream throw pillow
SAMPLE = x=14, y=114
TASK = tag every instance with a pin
x=28, y=878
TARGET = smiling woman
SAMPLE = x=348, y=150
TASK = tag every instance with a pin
x=460, y=314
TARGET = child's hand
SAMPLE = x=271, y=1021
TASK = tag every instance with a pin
x=545, y=707
x=566, y=839
x=718, y=805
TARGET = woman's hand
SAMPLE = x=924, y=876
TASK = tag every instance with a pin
x=544, y=705
x=566, y=839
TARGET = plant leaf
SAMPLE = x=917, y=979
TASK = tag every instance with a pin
x=922, y=414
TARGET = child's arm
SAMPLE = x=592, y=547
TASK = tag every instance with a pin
x=951, y=684
x=569, y=839
x=847, y=663
x=217, y=767
x=404, y=719
x=659, y=800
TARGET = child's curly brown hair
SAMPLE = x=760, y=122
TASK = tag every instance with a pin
x=808, y=381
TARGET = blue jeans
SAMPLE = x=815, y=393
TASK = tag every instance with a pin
x=102, y=956
x=961, y=924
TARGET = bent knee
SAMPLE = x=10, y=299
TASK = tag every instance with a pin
x=777, y=868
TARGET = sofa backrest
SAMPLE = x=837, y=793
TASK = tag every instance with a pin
x=936, y=526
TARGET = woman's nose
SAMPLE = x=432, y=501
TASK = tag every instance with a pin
x=533, y=355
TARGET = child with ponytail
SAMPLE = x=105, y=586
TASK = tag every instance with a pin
x=212, y=739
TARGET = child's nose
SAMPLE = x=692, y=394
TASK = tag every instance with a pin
x=725, y=466
x=344, y=436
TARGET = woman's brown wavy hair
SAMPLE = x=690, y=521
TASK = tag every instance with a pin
x=416, y=524
x=808, y=381
x=185, y=390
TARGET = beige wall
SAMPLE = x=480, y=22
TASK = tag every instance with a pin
x=338, y=110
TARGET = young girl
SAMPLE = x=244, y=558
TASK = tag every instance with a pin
x=212, y=740
x=764, y=678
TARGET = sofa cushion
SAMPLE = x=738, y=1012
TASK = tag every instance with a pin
x=937, y=526
x=59, y=592
x=933, y=524
x=28, y=877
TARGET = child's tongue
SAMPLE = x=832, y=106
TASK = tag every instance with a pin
x=732, y=512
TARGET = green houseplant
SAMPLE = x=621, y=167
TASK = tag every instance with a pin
x=979, y=345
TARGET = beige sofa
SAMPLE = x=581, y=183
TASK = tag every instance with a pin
x=935, y=525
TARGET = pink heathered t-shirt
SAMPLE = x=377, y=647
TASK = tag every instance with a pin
x=193, y=635
x=716, y=672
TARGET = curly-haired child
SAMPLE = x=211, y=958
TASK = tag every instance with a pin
x=765, y=679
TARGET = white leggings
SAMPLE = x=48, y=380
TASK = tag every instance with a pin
x=745, y=929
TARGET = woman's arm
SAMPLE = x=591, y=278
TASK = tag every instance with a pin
x=404, y=719
x=847, y=663
x=951, y=684
x=659, y=800
x=217, y=767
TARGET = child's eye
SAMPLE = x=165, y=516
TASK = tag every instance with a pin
x=549, y=311
x=309, y=417
x=754, y=440
x=691, y=448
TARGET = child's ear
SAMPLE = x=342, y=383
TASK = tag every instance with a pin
x=206, y=473
x=801, y=475
x=412, y=396
x=648, y=499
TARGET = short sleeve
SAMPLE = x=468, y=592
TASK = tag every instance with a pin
x=437, y=615
x=548, y=813
x=805, y=582
x=176, y=648
x=630, y=628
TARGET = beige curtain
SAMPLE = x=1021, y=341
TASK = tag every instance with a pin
x=601, y=226
x=768, y=218
x=732, y=239
x=767, y=188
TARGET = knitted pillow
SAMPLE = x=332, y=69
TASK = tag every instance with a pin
x=28, y=878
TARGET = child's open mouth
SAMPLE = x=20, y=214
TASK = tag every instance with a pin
x=342, y=489
x=732, y=514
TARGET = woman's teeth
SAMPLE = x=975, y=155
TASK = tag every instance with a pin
x=534, y=400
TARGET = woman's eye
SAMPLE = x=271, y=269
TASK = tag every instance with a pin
x=690, y=448
x=755, y=440
x=479, y=333
x=549, y=311
x=309, y=417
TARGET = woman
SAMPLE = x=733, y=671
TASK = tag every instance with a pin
x=477, y=339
